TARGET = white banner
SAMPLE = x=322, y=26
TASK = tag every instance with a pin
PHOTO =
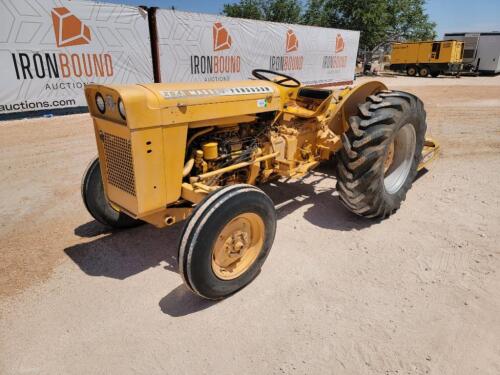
x=205, y=47
x=50, y=48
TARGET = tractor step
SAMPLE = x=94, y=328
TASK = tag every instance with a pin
x=429, y=152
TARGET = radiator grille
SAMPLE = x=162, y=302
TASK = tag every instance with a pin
x=118, y=153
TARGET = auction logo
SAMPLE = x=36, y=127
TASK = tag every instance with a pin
x=339, y=44
x=222, y=39
x=69, y=31
x=336, y=61
x=217, y=64
x=68, y=28
x=292, y=43
x=288, y=62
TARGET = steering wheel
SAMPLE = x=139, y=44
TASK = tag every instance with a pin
x=258, y=73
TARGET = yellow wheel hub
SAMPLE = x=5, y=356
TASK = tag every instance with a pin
x=237, y=246
x=389, y=158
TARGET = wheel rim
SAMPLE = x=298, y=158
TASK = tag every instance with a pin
x=237, y=246
x=412, y=72
x=389, y=157
x=398, y=162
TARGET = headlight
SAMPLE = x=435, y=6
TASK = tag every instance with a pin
x=121, y=109
x=99, y=101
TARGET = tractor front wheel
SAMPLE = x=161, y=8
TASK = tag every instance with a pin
x=226, y=240
x=381, y=152
x=96, y=202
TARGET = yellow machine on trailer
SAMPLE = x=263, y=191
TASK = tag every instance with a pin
x=424, y=58
x=195, y=151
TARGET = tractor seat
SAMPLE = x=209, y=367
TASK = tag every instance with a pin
x=324, y=96
x=313, y=93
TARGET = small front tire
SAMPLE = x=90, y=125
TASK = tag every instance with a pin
x=96, y=202
x=226, y=240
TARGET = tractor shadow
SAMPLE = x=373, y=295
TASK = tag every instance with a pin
x=120, y=254
x=317, y=192
x=324, y=208
x=181, y=301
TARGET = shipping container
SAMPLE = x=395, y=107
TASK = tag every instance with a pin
x=481, y=50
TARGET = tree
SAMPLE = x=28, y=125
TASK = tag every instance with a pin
x=288, y=11
x=251, y=9
x=378, y=20
x=408, y=21
x=370, y=17
x=314, y=14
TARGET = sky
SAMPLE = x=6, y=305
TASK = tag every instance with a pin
x=450, y=15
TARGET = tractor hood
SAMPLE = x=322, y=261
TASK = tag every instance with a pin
x=196, y=93
x=157, y=104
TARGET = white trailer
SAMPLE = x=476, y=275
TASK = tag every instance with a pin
x=481, y=50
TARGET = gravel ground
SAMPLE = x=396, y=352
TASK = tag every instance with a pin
x=415, y=294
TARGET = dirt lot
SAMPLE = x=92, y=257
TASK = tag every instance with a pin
x=415, y=294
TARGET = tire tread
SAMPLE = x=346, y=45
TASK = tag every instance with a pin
x=360, y=167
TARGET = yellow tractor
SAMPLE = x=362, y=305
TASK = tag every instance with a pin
x=170, y=152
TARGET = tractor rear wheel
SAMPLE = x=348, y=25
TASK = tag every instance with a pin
x=381, y=152
x=96, y=202
x=226, y=240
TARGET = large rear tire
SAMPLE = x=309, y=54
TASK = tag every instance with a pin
x=96, y=203
x=381, y=152
x=226, y=240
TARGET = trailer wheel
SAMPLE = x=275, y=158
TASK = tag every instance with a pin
x=96, y=203
x=411, y=70
x=226, y=240
x=424, y=71
x=381, y=152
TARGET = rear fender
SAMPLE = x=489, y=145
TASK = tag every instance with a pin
x=348, y=105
